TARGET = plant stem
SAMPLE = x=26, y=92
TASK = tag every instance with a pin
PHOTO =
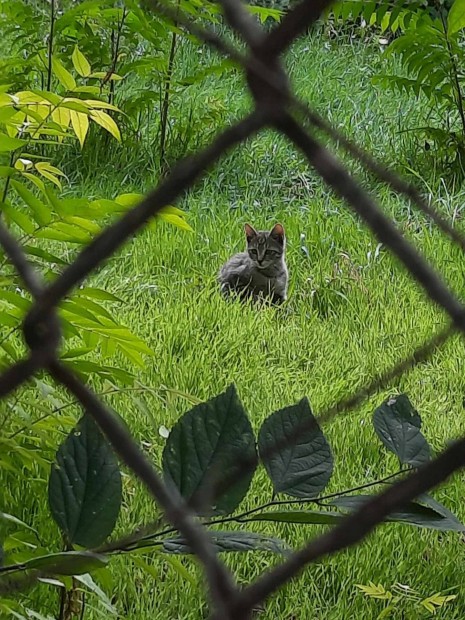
x=166, y=96
x=7, y=181
x=317, y=500
x=240, y=518
x=83, y=605
x=115, y=47
x=61, y=611
x=50, y=44
x=109, y=72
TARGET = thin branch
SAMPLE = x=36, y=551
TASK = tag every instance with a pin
x=165, y=104
x=243, y=516
x=6, y=187
x=354, y=527
x=50, y=44
x=128, y=543
x=115, y=52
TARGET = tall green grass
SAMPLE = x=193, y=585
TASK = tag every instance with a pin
x=352, y=312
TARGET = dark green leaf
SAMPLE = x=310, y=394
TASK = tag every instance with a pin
x=67, y=563
x=230, y=541
x=413, y=513
x=15, y=299
x=72, y=353
x=77, y=310
x=304, y=467
x=85, y=486
x=315, y=517
x=57, y=205
x=450, y=519
x=204, y=447
x=62, y=231
x=63, y=75
x=398, y=425
x=93, y=307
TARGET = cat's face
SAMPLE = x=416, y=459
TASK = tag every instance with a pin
x=265, y=248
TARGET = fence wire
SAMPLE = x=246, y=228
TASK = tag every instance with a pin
x=278, y=108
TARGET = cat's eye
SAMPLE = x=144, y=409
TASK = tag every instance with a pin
x=253, y=252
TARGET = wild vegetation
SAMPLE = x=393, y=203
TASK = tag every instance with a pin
x=92, y=116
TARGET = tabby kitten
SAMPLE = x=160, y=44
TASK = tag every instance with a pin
x=260, y=271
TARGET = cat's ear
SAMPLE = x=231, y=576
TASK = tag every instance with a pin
x=250, y=232
x=277, y=232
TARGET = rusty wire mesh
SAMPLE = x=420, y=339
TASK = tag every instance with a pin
x=275, y=107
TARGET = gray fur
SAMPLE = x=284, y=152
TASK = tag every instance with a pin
x=260, y=271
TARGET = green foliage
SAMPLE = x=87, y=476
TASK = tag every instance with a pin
x=389, y=15
x=30, y=450
x=38, y=214
x=53, y=100
x=456, y=17
x=270, y=9
x=124, y=54
x=430, y=47
x=218, y=433
x=201, y=452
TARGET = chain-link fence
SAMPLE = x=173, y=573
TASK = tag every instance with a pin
x=275, y=107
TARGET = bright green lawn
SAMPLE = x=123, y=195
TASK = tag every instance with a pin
x=348, y=317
